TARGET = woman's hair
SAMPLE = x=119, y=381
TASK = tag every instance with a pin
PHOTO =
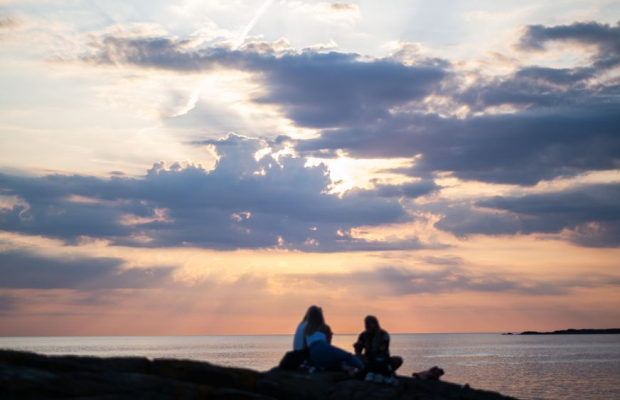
x=373, y=319
x=308, y=312
x=314, y=320
x=374, y=341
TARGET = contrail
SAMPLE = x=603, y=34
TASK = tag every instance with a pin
x=253, y=22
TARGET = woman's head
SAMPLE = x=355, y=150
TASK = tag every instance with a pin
x=371, y=323
x=309, y=310
x=314, y=320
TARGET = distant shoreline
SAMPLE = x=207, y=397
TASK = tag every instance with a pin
x=614, y=331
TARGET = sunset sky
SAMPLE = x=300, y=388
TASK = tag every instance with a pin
x=215, y=167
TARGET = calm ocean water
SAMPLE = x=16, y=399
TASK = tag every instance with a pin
x=584, y=367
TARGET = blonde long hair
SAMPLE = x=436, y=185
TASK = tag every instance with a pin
x=314, y=320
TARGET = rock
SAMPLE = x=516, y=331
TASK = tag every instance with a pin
x=32, y=376
x=613, y=331
x=235, y=394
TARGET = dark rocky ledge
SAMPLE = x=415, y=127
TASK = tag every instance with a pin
x=576, y=332
x=33, y=376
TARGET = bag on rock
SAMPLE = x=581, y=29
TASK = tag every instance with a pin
x=293, y=359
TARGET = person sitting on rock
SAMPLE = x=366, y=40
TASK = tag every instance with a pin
x=373, y=347
x=299, y=342
x=322, y=353
x=299, y=357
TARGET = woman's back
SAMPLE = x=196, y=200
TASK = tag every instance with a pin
x=315, y=337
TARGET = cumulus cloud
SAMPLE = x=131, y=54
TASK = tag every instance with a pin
x=560, y=124
x=522, y=148
x=603, y=37
x=21, y=269
x=556, y=122
x=243, y=202
x=536, y=86
x=534, y=124
x=533, y=87
x=313, y=89
x=588, y=215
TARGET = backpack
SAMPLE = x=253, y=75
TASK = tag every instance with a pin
x=293, y=359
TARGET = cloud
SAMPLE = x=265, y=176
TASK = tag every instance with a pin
x=327, y=90
x=313, y=89
x=259, y=13
x=534, y=124
x=533, y=87
x=588, y=215
x=7, y=303
x=342, y=6
x=21, y=269
x=603, y=37
x=400, y=281
x=409, y=190
x=9, y=22
x=334, y=13
x=243, y=202
x=521, y=148
x=536, y=86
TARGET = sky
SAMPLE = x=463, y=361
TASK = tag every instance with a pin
x=215, y=167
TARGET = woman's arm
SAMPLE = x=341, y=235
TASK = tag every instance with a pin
x=359, y=345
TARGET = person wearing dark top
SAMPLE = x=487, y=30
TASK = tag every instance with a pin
x=373, y=347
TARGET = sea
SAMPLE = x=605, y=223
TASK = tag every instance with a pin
x=549, y=367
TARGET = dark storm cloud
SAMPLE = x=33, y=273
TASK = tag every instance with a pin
x=602, y=37
x=314, y=89
x=409, y=190
x=533, y=87
x=521, y=148
x=590, y=213
x=241, y=203
x=24, y=270
x=401, y=281
x=327, y=90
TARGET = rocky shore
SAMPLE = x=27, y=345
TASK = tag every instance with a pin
x=614, y=331
x=32, y=376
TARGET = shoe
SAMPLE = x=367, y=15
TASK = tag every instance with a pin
x=379, y=378
x=370, y=377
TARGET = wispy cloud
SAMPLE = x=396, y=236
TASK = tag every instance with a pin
x=259, y=13
x=401, y=281
x=23, y=270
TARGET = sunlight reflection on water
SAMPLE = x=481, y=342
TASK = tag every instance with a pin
x=528, y=367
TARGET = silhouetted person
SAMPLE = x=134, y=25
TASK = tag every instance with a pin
x=299, y=341
x=373, y=347
x=322, y=353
